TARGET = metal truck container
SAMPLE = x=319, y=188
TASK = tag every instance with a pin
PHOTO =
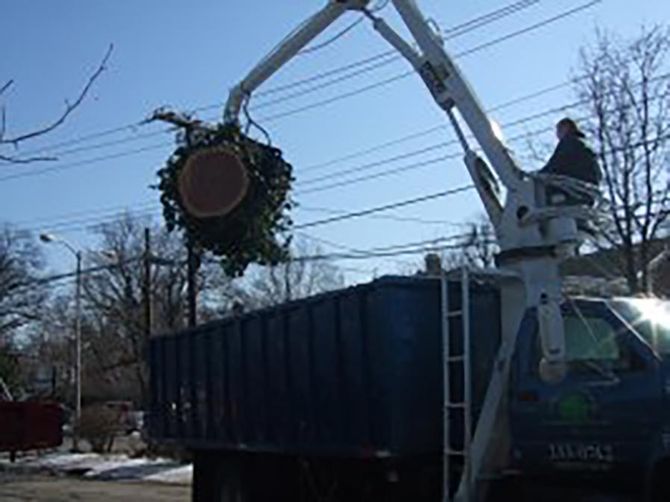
x=30, y=425
x=353, y=373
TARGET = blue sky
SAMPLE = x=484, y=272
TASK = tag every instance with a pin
x=188, y=54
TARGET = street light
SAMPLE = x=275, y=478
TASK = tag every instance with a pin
x=51, y=238
x=48, y=238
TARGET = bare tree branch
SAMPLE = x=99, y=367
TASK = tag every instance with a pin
x=5, y=87
x=15, y=141
x=626, y=95
x=26, y=160
x=3, y=122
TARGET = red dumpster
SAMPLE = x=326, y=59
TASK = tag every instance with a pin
x=30, y=425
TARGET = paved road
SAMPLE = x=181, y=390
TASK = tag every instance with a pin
x=15, y=488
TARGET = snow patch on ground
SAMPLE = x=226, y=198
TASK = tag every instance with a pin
x=178, y=475
x=107, y=467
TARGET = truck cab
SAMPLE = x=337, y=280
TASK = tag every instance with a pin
x=608, y=421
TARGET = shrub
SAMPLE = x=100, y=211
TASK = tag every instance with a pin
x=99, y=424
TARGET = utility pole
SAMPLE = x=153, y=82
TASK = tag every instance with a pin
x=191, y=284
x=287, y=281
x=51, y=238
x=147, y=258
x=77, y=357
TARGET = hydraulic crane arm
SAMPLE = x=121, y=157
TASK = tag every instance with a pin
x=449, y=89
x=283, y=53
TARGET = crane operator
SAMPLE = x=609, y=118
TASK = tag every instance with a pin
x=572, y=158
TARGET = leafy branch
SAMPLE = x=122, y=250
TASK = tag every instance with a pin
x=250, y=232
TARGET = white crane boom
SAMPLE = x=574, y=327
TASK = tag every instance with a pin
x=283, y=53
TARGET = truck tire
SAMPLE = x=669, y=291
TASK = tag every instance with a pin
x=511, y=488
x=218, y=477
x=660, y=482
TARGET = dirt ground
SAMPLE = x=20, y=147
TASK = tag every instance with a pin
x=22, y=488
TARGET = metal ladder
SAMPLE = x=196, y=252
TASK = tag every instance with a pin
x=457, y=361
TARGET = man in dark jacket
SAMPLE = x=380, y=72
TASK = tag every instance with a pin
x=572, y=158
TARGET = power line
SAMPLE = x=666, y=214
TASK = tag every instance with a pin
x=430, y=130
x=456, y=31
x=418, y=165
x=405, y=168
x=87, y=137
x=533, y=27
x=62, y=225
x=92, y=217
x=429, y=148
x=376, y=163
x=90, y=222
x=392, y=57
x=382, y=174
x=86, y=213
x=378, y=252
x=337, y=98
x=90, y=160
x=71, y=275
x=365, y=167
x=317, y=88
x=485, y=18
x=387, y=217
x=136, y=137
x=331, y=40
x=386, y=207
x=57, y=168
x=290, y=86
x=432, y=242
x=381, y=146
x=336, y=245
x=149, y=210
x=327, y=242
x=322, y=102
x=67, y=226
x=153, y=208
x=381, y=254
x=452, y=32
x=120, y=141
x=61, y=167
x=400, y=76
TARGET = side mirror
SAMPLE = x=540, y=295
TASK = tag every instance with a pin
x=552, y=338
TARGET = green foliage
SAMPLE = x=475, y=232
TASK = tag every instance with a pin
x=251, y=232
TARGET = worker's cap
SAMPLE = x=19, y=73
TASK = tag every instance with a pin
x=572, y=125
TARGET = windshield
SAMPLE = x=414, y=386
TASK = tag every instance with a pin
x=650, y=318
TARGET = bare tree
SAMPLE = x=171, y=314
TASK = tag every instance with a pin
x=300, y=277
x=114, y=298
x=21, y=298
x=10, y=144
x=625, y=92
x=21, y=295
x=477, y=247
x=50, y=345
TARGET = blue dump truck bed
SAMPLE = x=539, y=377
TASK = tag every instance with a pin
x=352, y=373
